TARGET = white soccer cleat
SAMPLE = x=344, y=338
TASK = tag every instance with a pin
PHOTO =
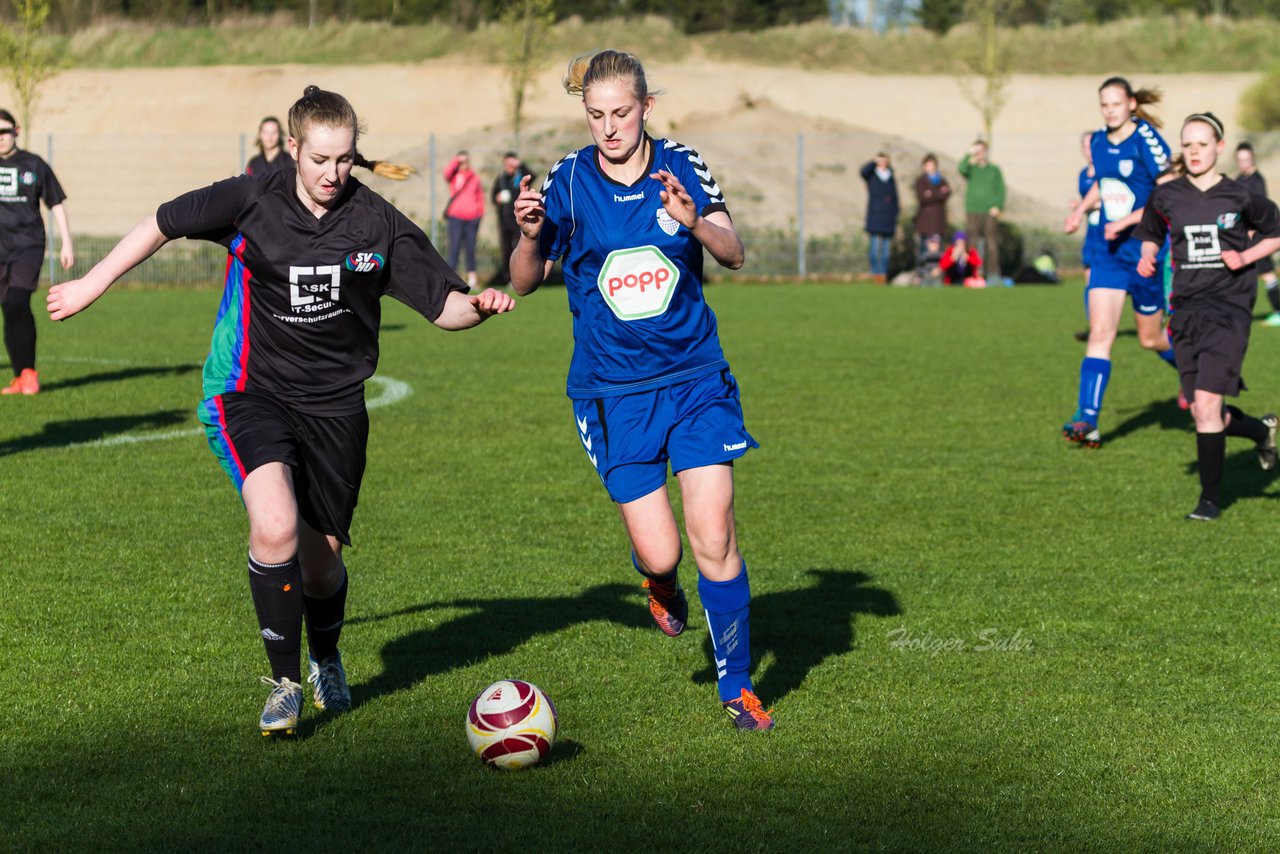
x=284, y=705
x=329, y=679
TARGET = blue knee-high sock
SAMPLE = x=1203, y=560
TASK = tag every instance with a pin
x=1094, y=375
x=1167, y=355
x=728, y=608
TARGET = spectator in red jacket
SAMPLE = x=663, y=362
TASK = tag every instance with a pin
x=961, y=263
x=463, y=211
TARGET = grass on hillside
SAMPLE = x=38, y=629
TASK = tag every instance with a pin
x=975, y=636
x=1173, y=43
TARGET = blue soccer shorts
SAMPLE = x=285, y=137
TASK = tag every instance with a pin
x=1113, y=273
x=631, y=439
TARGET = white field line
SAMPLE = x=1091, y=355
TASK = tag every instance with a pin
x=389, y=391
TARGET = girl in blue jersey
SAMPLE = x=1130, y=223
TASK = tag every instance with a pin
x=1093, y=232
x=1128, y=155
x=628, y=218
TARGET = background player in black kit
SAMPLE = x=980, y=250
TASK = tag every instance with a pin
x=1208, y=218
x=1247, y=174
x=271, y=156
x=25, y=180
x=311, y=253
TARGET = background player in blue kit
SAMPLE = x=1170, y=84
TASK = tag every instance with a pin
x=1128, y=155
x=1093, y=231
x=629, y=218
x=25, y=181
x=1219, y=229
x=312, y=252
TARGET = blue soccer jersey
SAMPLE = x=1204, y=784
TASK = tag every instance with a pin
x=633, y=274
x=1126, y=173
x=1093, y=238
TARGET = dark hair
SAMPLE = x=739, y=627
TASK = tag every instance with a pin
x=1212, y=121
x=1142, y=96
x=1245, y=146
x=261, y=125
x=928, y=157
x=316, y=106
x=7, y=116
x=511, y=154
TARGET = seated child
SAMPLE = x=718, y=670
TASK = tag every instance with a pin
x=960, y=263
x=928, y=269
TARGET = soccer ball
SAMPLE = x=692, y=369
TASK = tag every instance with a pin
x=511, y=724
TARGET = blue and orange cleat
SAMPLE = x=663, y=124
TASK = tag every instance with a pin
x=1082, y=432
x=667, y=605
x=747, y=712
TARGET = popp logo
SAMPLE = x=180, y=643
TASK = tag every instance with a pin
x=638, y=283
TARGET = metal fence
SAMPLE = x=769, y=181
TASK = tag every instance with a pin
x=797, y=198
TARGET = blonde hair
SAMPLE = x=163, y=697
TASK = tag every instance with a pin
x=590, y=68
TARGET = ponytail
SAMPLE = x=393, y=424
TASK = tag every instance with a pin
x=384, y=168
x=1143, y=97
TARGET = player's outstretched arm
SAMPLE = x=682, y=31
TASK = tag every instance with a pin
x=1147, y=263
x=462, y=311
x=528, y=268
x=714, y=231
x=135, y=247
x=1091, y=200
x=1264, y=248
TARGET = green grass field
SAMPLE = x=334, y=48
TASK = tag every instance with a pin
x=975, y=636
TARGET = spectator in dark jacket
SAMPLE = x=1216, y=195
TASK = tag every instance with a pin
x=932, y=192
x=882, y=212
x=503, y=195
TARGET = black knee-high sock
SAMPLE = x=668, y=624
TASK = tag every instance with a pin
x=1246, y=426
x=19, y=330
x=277, y=597
x=1273, y=294
x=324, y=620
x=1211, y=452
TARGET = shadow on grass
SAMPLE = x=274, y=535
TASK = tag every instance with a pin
x=1242, y=478
x=803, y=628
x=496, y=627
x=118, y=376
x=1164, y=414
x=800, y=628
x=60, y=434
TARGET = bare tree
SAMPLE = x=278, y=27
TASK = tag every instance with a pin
x=526, y=24
x=984, y=86
x=27, y=62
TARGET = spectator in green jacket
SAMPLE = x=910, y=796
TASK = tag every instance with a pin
x=983, y=203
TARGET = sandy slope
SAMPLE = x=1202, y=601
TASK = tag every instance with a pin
x=744, y=119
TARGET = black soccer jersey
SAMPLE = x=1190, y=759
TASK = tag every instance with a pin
x=1202, y=225
x=25, y=181
x=1254, y=183
x=261, y=167
x=300, y=313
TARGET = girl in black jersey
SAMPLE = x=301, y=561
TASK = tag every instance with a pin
x=1208, y=218
x=25, y=180
x=271, y=156
x=311, y=253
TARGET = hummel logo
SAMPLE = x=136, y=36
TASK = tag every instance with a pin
x=271, y=636
x=738, y=446
x=1147, y=307
x=582, y=426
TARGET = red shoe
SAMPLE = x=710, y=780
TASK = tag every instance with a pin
x=668, y=606
x=1182, y=401
x=747, y=712
x=27, y=382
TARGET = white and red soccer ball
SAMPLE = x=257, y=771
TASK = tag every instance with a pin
x=511, y=724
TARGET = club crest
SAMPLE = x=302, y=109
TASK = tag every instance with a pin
x=1126, y=168
x=1227, y=221
x=666, y=223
